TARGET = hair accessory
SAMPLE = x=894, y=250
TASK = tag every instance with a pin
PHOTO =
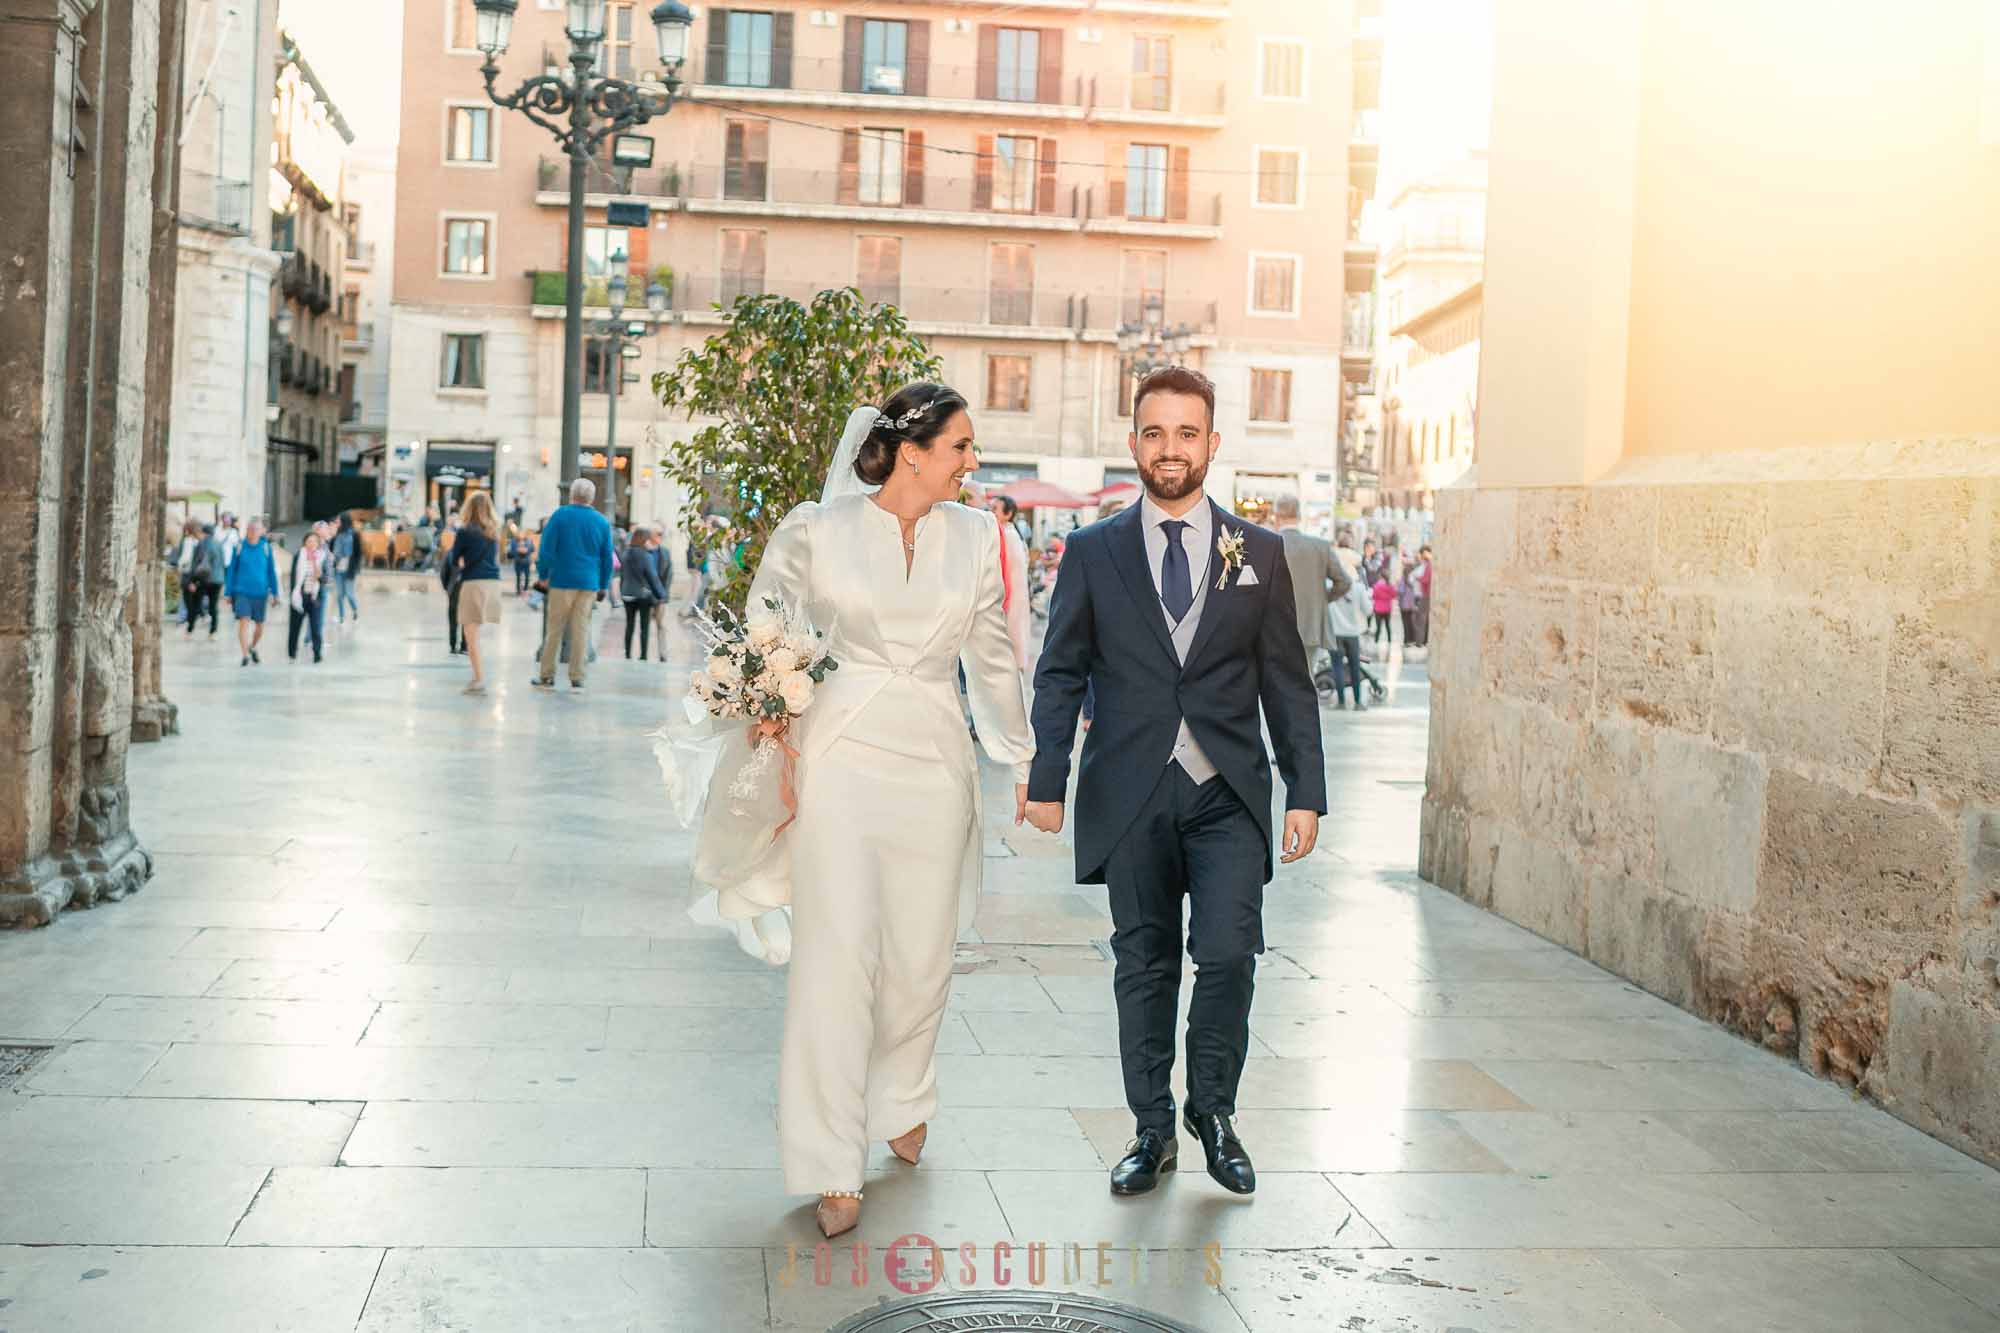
x=903, y=422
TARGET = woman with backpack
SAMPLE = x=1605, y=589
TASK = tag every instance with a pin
x=640, y=586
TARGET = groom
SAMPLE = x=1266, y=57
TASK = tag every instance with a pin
x=1181, y=616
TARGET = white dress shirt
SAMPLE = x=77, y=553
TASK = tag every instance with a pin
x=1198, y=540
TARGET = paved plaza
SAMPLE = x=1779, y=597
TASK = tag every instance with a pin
x=409, y=1032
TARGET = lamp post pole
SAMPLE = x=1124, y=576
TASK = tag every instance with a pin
x=616, y=334
x=596, y=108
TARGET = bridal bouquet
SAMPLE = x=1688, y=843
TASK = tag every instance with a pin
x=730, y=768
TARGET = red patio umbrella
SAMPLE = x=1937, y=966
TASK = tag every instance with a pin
x=1034, y=493
x=1121, y=492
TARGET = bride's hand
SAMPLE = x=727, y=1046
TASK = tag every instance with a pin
x=1020, y=803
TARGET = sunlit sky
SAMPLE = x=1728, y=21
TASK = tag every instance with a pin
x=355, y=47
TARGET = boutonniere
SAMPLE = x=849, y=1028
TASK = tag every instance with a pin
x=1228, y=550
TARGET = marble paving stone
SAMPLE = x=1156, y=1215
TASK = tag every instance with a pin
x=1331, y=1140
x=204, y=842
x=1548, y=963
x=316, y=1073
x=1088, y=995
x=709, y=955
x=1589, y=1085
x=403, y=1023
x=657, y=920
x=1560, y=1212
x=1402, y=1291
x=1048, y=960
x=1484, y=1039
x=1351, y=964
x=1973, y=1274
x=1872, y=1209
x=695, y=1028
x=61, y=1201
x=997, y=1138
x=468, y=1206
x=1187, y=1212
x=94, y=1068
x=350, y=946
x=41, y=1016
x=740, y=1208
x=1821, y=1291
x=379, y=885
x=1417, y=1085
x=468, y=920
x=1045, y=1034
x=275, y=1022
x=696, y=1131
x=1030, y=1080
x=178, y=884
x=267, y=979
x=114, y=976
x=75, y=939
x=583, y=1290
x=134, y=1131
x=804, y=1298
x=1862, y=1139
x=1179, y=1284
x=145, y=911
x=98, y=1289
x=650, y=986
x=1525, y=999
x=976, y=994
x=585, y=1077
x=565, y=951
x=1567, y=1142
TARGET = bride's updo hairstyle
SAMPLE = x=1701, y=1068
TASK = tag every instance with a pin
x=915, y=414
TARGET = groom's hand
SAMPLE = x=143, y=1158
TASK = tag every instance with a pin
x=1046, y=815
x=1301, y=835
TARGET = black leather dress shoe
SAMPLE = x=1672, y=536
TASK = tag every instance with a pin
x=1150, y=1155
x=1228, y=1164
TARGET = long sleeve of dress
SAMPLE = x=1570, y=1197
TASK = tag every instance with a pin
x=992, y=673
x=785, y=572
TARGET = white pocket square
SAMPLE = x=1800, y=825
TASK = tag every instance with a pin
x=1247, y=578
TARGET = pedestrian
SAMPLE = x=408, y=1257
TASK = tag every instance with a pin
x=231, y=538
x=449, y=579
x=310, y=570
x=663, y=565
x=1318, y=578
x=522, y=552
x=574, y=569
x=423, y=540
x=475, y=562
x=1406, y=602
x=1345, y=616
x=641, y=590
x=1014, y=574
x=252, y=586
x=1423, y=582
x=209, y=570
x=346, y=566
x=1382, y=600
x=184, y=563
x=693, y=608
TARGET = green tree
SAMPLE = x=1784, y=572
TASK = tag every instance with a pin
x=775, y=387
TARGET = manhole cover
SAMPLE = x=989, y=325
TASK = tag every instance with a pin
x=1010, y=1312
x=16, y=1061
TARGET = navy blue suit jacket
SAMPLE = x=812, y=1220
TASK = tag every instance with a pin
x=1106, y=627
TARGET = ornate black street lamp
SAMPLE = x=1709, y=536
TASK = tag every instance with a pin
x=595, y=108
x=618, y=333
x=1147, y=345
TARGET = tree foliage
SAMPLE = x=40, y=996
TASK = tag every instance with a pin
x=773, y=390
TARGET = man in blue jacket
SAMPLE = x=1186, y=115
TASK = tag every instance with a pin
x=574, y=568
x=252, y=587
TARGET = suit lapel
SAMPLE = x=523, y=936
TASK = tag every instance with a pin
x=1126, y=535
x=1219, y=599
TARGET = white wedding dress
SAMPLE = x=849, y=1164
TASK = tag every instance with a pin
x=880, y=870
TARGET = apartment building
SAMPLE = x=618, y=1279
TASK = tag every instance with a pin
x=1019, y=182
x=369, y=222
x=308, y=230
x=224, y=264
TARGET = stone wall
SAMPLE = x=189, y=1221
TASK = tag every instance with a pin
x=1730, y=727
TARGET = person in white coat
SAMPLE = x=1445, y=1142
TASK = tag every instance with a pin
x=880, y=869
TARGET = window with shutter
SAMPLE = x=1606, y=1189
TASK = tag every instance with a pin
x=747, y=49
x=465, y=246
x=1007, y=382
x=881, y=180
x=606, y=250
x=1014, y=170
x=1152, y=73
x=1144, y=281
x=468, y=134
x=885, y=56
x=464, y=34
x=614, y=50
x=1271, y=395
x=1281, y=70
x=1017, y=64
x=1011, y=284
x=746, y=159
x=879, y=269
x=742, y=264
x=1146, y=181
x=1274, y=284
x=1278, y=177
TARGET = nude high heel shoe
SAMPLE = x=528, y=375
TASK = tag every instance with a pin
x=838, y=1212
x=910, y=1146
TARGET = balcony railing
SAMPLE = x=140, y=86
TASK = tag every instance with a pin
x=915, y=78
x=1106, y=312
x=215, y=201
x=1106, y=205
x=1182, y=96
x=757, y=183
x=969, y=305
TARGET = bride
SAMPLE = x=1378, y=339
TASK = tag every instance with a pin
x=881, y=871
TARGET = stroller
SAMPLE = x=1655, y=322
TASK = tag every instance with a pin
x=1331, y=677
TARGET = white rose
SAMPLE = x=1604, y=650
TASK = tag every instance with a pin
x=782, y=660
x=803, y=645
x=725, y=672
x=797, y=691
x=701, y=684
x=764, y=631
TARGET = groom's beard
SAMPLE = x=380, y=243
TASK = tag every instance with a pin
x=1174, y=486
